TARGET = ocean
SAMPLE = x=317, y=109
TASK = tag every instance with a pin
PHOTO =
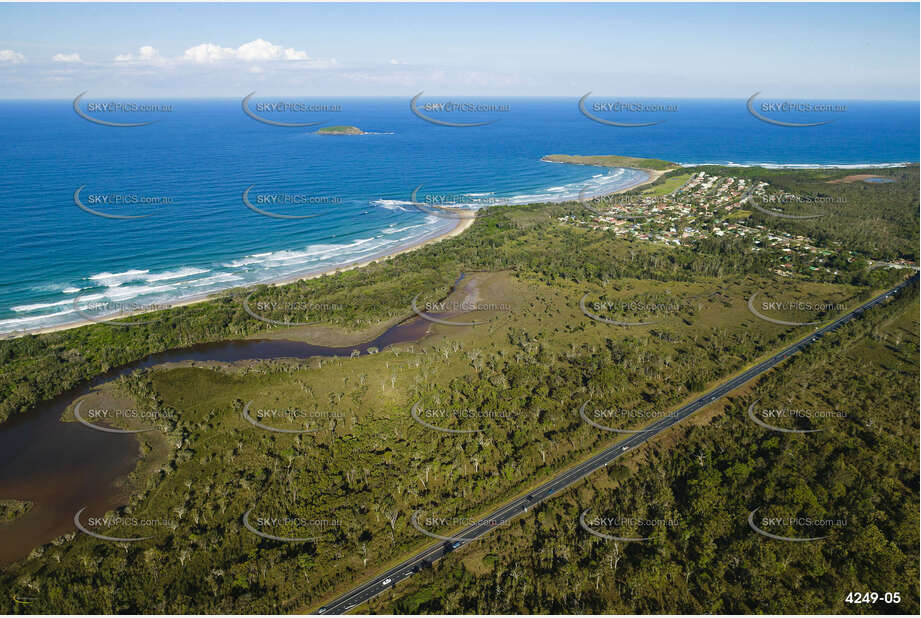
x=183, y=179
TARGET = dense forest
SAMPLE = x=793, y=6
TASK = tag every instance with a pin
x=860, y=471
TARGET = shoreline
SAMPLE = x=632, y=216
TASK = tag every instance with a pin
x=653, y=168
x=459, y=228
x=462, y=226
x=651, y=177
x=808, y=166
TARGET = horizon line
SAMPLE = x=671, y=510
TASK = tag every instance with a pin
x=481, y=96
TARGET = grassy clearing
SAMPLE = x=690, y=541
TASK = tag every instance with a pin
x=668, y=185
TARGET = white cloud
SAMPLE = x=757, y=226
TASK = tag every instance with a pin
x=257, y=50
x=8, y=55
x=395, y=61
x=146, y=53
x=293, y=54
x=208, y=52
x=66, y=58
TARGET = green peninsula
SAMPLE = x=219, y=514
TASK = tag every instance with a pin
x=612, y=161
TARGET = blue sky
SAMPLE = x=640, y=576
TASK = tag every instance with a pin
x=847, y=51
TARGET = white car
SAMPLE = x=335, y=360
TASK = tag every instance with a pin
x=386, y=581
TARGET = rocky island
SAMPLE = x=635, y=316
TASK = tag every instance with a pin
x=340, y=130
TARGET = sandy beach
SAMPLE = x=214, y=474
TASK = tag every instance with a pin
x=653, y=175
x=462, y=225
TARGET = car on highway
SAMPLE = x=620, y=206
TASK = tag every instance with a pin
x=386, y=581
x=456, y=545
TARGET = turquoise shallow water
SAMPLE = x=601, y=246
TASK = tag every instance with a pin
x=189, y=170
